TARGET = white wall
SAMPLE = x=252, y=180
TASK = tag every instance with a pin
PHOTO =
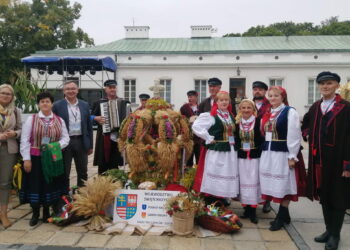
x=295, y=70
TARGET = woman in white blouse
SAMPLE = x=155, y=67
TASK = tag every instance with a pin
x=281, y=128
x=220, y=177
x=38, y=130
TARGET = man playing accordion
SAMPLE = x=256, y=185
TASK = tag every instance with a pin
x=109, y=114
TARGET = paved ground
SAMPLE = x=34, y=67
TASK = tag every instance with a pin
x=307, y=222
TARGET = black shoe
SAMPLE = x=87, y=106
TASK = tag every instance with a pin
x=287, y=216
x=246, y=213
x=267, y=207
x=332, y=243
x=35, y=217
x=276, y=225
x=46, y=213
x=323, y=238
x=252, y=216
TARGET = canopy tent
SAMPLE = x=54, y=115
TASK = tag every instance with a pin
x=70, y=64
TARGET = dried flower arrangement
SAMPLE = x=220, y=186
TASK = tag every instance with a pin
x=184, y=202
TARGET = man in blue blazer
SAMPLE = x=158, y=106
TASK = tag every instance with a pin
x=76, y=115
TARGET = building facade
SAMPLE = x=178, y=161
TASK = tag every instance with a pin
x=183, y=64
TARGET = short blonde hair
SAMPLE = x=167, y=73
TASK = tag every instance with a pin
x=8, y=86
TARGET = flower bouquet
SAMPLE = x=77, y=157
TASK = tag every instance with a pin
x=183, y=209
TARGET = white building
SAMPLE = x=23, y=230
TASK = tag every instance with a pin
x=183, y=64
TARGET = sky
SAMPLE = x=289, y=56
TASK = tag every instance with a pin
x=104, y=20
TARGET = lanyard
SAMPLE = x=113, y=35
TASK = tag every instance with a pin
x=75, y=115
x=247, y=126
x=327, y=109
x=46, y=125
x=227, y=122
x=273, y=118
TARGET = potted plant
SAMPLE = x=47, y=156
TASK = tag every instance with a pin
x=183, y=209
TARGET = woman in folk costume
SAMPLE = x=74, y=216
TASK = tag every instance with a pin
x=10, y=130
x=281, y=128
x=220, y=177
x=43, y=136
x=248, y=143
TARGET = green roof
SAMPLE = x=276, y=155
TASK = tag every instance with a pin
x=215, y=45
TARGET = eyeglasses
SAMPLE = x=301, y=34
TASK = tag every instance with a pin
x=6, y=93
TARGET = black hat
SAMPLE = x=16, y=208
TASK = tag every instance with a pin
x=110, y=83
x=192, y=92
x=144, y=96
x=214, y=81
x=326, y=75
x=260, y=84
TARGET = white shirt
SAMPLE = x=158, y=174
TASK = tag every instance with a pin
x=327, y=105
x=74, y=118
x=258, y=105
x=26, y=133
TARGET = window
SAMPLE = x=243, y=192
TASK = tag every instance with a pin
x=166, y=93
x=201, y=87
x=276, y=82
x=313, y=92
x=130, y=90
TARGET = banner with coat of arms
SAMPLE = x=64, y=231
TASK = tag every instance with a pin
x=142, y=207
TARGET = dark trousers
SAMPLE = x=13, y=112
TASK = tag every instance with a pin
x=75, y=150
x=195, y=153
x=115, y=159
x=333, y=219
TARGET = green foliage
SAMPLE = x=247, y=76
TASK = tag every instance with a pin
x=27, y=27
x=331, y=26
x=117, y=175
x=26, y=91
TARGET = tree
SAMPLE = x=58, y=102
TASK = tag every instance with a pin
x=331, y=26
x=41, y=25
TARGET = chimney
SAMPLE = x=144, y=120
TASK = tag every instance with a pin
x=136, y=31
x=203, y=31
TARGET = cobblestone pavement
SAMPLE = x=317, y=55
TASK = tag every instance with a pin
x=47, y=236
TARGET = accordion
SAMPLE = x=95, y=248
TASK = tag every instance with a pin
x=110, y=111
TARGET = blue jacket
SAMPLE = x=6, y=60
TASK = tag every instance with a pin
x=60, y=108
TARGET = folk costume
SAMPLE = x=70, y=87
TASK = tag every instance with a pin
x=248, y=144
x=191, y=112
x=262, y=107
x=43, y=138
x=220, y=171
x=281, y=128
x=107, y=155
x=329, y=155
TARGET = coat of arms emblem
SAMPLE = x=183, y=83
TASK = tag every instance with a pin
x=126, y=205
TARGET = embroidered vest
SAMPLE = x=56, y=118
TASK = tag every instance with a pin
x=54, y=131
x=220, y=132
x=279, y=133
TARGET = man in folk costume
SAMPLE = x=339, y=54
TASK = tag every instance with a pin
x=107, y=155
x=328, y=128
x=190, y=110
x=259, y=97
x=262, y=106
x=143, y=99
x=214, y=87
x=205, y=106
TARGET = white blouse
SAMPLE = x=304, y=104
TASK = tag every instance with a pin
x=26, y=133
x=202, y=124
x=293, y=132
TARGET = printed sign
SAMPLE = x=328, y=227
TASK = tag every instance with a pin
x=142, y=207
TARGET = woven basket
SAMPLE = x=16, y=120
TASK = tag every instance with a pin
x=215, y=224
x=183, y=223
